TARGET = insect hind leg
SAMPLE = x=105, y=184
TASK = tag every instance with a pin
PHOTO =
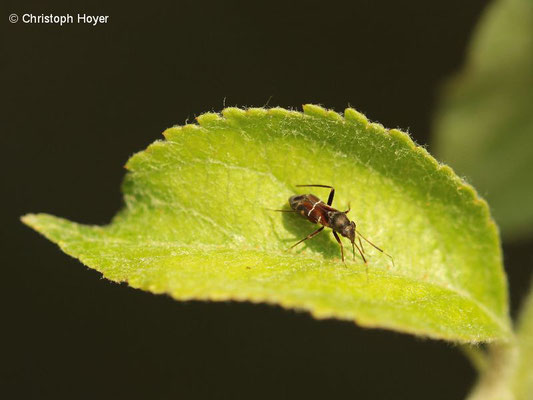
x=331, y=193
x=311, y=235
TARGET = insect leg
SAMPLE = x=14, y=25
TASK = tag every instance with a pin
x=376, y=247
x=330, y=197
x=269, y=209
x=340, y=244
x=361, y=252
x=331, y=193
x=311, y=235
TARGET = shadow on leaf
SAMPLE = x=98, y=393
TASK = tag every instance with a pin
x=323, y=243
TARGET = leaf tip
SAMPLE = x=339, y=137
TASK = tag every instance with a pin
x=34, y=221
x=28, y=219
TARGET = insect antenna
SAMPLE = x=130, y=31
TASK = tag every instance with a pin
x=376, y=247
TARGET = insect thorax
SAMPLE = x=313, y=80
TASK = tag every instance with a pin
x=338, y=220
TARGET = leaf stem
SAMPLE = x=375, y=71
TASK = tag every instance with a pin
x=496, y=375
x=476, y=355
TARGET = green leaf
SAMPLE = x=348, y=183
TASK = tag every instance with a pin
x=484, y=127
x=197, y=225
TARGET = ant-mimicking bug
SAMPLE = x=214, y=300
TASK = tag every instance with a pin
x=316, y=211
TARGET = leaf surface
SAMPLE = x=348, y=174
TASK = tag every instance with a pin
x=197, y=225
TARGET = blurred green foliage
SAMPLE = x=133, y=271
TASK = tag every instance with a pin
x=484, y=126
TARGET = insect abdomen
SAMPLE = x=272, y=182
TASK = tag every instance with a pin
x=295, y=201
x=310, y=207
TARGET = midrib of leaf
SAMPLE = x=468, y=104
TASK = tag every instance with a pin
x=203, y=196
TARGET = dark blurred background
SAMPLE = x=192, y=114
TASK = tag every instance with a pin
x=79, y=100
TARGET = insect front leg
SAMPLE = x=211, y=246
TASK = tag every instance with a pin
x=361, y=252
x=340, y=244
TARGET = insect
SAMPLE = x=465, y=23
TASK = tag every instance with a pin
x=316, y=211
